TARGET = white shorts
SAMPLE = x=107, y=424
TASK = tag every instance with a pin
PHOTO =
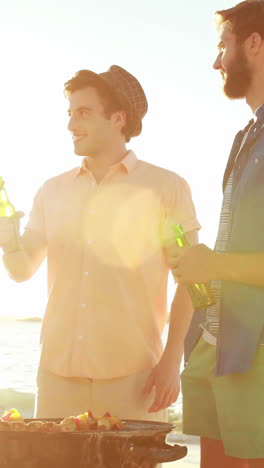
x=58, y=397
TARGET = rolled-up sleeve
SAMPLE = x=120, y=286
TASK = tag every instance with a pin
x=178, y=208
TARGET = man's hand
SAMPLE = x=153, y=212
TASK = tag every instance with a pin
x=166, y=380
x=9, y=232
x=195, y=264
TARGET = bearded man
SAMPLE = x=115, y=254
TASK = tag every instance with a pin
x=224, y=378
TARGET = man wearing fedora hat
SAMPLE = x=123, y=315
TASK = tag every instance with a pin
x=103, y=227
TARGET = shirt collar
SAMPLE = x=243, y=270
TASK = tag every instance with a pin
x=128, y=163
x=259, y=113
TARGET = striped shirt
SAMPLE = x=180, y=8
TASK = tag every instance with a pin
x=212, y=313
x=211, y=325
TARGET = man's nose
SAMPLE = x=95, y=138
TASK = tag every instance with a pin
x=72, y=124
x=217, y=62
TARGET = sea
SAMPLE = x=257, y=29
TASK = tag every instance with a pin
x=19, y=357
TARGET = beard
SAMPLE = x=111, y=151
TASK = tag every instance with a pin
x=237, y=77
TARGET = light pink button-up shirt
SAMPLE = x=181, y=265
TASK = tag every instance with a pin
x=107, y=273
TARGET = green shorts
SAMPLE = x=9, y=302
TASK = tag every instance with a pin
x=229, y=408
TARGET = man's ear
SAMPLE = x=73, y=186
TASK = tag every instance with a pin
x=119, y=119
x=253, y=44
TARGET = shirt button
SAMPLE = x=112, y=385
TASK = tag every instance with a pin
x=80, y=338
x=89, y=242
x=83, y=306
x=256, y=161
x=85, y=273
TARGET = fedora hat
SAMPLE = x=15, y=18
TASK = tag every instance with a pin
x=128, y=92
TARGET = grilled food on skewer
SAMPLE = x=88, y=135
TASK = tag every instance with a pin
x=12, y=420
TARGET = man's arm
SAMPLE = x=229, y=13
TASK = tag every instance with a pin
x=22, y=263
x=14, y=257
x=166, y=375
x=199, y=264
x=242, y=268
x=23, y=260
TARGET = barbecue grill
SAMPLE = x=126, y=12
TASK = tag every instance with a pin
x=139, y=444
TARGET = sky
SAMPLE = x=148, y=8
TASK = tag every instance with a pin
x=169, y=46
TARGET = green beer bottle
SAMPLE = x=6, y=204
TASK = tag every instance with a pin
x=6, y=207
x=201, y=294
x=7, y=210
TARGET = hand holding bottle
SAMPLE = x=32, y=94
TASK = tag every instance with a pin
x=193, y=264
x=9, y=222
x=9, y=232
x=190, y=270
